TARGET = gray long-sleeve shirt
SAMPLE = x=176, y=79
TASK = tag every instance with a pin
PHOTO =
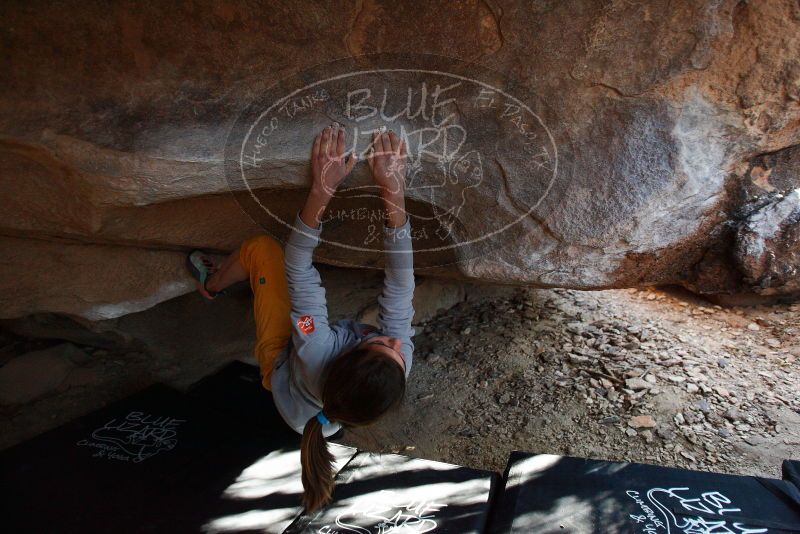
x=297, y=377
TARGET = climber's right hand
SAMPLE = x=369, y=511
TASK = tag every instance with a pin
x=329, y=163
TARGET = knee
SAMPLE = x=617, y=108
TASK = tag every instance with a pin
x=263, y=243
x=262, y=247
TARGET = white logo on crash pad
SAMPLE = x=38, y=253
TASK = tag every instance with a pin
x=134, y=438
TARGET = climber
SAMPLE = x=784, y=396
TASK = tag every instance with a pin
x=325, y=376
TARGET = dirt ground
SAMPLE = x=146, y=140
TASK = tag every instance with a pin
x=642, y=376
x=646, y=376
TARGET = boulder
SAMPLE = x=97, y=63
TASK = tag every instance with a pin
x=656, y=145
x=32, y=375
x=768, y=244
x=91, y=281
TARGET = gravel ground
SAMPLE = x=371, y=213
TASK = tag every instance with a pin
x=645, y=376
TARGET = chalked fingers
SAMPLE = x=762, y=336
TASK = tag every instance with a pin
x=326, y=141
x=386, y=143
x=315, y=147
x=395, y=142
x=340, y=139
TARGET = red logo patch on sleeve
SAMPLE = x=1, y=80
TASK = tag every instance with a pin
x=306, y=324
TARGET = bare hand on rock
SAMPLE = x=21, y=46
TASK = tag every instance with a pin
x=387, y=160
x=329, y=166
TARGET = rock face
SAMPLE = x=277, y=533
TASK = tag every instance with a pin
x=666, y=134
x=768, y=244
x=91, y=281
x=37, y=373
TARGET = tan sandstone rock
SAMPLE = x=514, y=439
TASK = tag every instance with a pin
x=674, y=125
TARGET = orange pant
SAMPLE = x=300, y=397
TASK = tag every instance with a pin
x=262, y=258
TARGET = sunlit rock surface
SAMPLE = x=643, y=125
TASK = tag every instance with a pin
x=676, y=123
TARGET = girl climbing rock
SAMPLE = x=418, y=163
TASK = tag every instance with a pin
x=326, y=375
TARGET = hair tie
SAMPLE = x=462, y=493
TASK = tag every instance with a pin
x=322, y=419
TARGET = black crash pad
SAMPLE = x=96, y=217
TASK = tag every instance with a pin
x=123, y=468
x=386, y=493
x=236, y=390
x=221, y=459
x=266, y=494
x=161, y=461
x=556, y=494
x=791, y=471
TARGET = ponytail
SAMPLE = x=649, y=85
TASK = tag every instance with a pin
x=360, y=386
x=317, y=463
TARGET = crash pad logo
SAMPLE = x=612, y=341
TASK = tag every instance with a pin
x=134, y=438
x=386, y=513
x=480, y=158
x=681, y=511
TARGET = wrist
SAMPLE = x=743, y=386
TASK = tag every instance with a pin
x=397, y=197
x=320, y=195
x=396, y=219
x=395, y=213
x=314, y=208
